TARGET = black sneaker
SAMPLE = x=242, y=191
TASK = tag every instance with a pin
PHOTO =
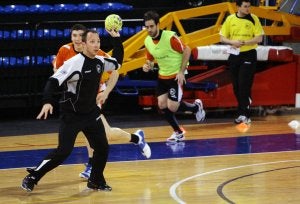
x=100, y=187
x=28, y=183
x=30, y=170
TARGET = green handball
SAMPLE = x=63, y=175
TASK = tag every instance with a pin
x=113, y=21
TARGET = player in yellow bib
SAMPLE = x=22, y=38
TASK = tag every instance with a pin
x=172, y=57
x=242, y=31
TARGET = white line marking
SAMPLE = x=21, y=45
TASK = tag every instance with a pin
x=173, y=188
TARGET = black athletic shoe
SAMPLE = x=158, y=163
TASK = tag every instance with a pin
x=28, y=183
x=30, y=170
x=100, y=187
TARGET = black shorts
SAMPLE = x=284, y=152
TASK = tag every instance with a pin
x=171, y=87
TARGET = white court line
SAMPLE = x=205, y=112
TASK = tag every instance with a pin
x=173, y=188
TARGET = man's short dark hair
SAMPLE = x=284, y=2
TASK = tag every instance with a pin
x=240, y=2
x=151, y=15
x=86, y=32
x=78, y=27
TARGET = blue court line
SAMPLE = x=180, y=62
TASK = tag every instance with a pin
x=162, y=150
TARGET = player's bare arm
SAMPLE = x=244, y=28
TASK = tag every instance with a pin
x=180, y=77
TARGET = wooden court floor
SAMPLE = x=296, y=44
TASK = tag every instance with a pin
x=210, y=167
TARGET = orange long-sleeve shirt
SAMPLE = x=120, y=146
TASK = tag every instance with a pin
x=67, y=51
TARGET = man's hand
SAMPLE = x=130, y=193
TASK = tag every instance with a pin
x=45, y=110
x=113, y=33
x=180, y=78
x=148, y=66
x=237, y=43
x=101, y=98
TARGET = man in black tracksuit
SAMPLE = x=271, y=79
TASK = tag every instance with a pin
x=80, y=78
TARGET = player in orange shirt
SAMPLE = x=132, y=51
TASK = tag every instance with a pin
x=71, y=49
x=67, y=51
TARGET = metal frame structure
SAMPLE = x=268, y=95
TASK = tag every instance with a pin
x=276, y=85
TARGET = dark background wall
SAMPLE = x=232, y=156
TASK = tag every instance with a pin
x=28, y=47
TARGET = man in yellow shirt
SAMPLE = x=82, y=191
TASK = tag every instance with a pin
x=242, y=31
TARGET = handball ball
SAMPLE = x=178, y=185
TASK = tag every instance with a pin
x=113, y=21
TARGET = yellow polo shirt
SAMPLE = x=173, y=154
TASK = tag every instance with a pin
x=246, y=28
